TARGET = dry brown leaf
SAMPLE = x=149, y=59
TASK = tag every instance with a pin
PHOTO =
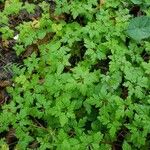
x=41, y=81
x=11, y=137
x=35, y=24
x=29, y=50
x=5, y=43
x=102, y=2
x=46, y=39
x=2, y=97
x=5, y=83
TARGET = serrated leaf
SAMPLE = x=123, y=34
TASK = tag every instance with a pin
x=139, y=28
x=126, y=146
x=137, y=1
x=4, y=147
x=63, y=119
x=65, y=145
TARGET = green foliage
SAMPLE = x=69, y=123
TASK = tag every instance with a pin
x=141, y=2
x=139, y=28
x=6, y=33
x=12, y=7
x=83, y=85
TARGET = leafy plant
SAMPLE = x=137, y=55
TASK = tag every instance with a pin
x=139, y=28
x=83, y=82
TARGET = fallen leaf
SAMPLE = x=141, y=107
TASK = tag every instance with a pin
x=5, y=83
x=29, y=50
x=5, y=43
x=35, y=24
x=102, y=2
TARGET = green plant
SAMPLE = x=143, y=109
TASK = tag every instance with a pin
x=84, y=86
x=139, y=28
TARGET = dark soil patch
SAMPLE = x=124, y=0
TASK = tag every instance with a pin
x=34, y=145
x=11, y=138
x=145, y=56
x=120, y=138
x=102, y=65
x=135, y=10
x=24, y=16
x=124, y=90
x=77, y=54
x=1, y=6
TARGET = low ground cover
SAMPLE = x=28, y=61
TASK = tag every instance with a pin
x=74, y=75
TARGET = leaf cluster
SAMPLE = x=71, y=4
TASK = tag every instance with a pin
x=85, y=84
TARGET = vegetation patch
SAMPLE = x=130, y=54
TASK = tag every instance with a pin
x=74, y=75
